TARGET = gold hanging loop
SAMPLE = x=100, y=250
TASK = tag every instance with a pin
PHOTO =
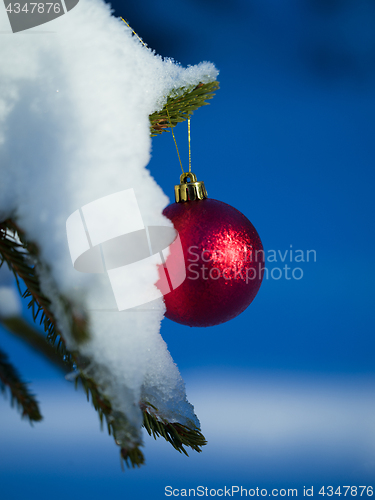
x=189, y=188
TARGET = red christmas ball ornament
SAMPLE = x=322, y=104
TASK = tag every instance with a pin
x=223, y=255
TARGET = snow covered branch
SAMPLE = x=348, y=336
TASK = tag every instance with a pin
x=80, y=101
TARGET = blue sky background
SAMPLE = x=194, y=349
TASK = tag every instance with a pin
x=285, y=392
x=289, y=141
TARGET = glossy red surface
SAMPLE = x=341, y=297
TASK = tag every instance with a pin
x=224, y=261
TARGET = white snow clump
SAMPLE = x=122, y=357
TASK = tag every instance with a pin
x=75, y=96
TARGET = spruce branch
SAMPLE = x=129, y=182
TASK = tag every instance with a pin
x=22, y=259
x=176, y=434
x=19, y=393
x=132, y=457
x=21, y=329
x=181, y=104
x=17, y=254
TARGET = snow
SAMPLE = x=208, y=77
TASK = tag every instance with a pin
x=74, y=106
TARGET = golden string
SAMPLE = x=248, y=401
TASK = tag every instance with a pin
x=189, y=144
x=174, y=138
x=134, y=33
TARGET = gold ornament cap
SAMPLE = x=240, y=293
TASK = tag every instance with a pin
x=189, y=190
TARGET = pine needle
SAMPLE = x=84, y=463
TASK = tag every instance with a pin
x=176, y=434
x=181, y=106
x=19, y=393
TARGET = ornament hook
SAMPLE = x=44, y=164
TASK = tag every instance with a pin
x=187, y=175
x=189, y=190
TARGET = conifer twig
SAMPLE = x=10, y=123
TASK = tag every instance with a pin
x=21, y=329
x=15, y=252
x=180, y=106
x=25, y=401
x=19, y=256
x=176, y=434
